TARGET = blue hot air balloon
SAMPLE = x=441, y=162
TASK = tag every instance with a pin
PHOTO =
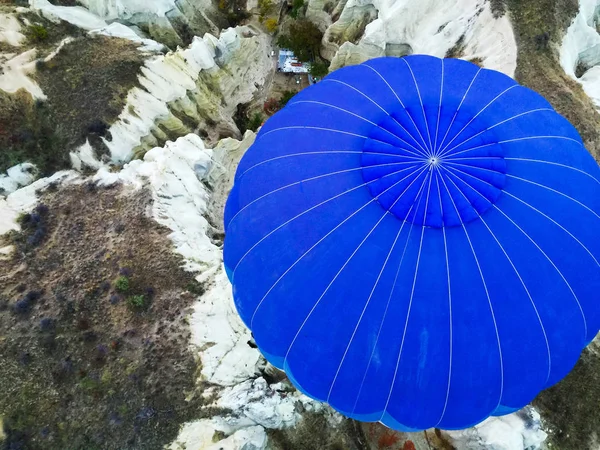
x=414, y=241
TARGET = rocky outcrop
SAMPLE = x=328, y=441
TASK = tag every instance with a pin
x=580, y=49
x=458, y=28
x=196, y=88
x=168, y=21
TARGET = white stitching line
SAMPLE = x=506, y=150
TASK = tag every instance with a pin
x=458, y=109
x=555, y=191
x=430, y=152
x=354, y=169
x=508, y=141
x=334, y=152
x=324, y=237
x=386, y=310
x=419, y=152
x=554, y=164
x=449, y=304
x=410, y=301
x=496, y=125
x=437, y=126
x=374, y=286
x=374, y=102
x=338, y=273
x=486, y=292
x=538, y=247
x=443, y=150
x=403, y=106
x=516, y=271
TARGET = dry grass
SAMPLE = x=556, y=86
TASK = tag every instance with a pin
x=101, y=375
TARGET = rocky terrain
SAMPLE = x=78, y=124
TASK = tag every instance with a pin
x=121, y=125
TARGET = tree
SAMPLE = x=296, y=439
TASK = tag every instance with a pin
x=297, y=5
x=271, y=25
x=304, y=39
x=319, y=69
x=264, y=7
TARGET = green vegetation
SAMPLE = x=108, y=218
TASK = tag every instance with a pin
x=28, y=133
x=255, y=121
x=264, y=8
x=304, y=39
x=319, y=69
x=498, y=8
x=234, y=11
x=286, y=97
x=122, y=284
x=137, y=301
x=297, y=6
x=271, y=24
x=195, y=288
x=37, y=33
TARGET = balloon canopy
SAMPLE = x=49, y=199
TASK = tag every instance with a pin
x=414, y=241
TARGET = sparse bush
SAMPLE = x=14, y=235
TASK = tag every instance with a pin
x=271, y=106
x=122, y=284
x=46, y=324
x=458, y=49
x=498, y=8
x=195, y=288
x=255, y=121
x=37, y=33
x=286, y=97
x=271, y=24
x=24, y=305
x=264, y=7
x=136, y=301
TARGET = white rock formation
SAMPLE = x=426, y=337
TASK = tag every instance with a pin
x=15, y=70
x=76, y=15
x=518, y=431
x=17, y=176
x=205, y=81
x=581, y=47
x=10, y=30
x=25, y=199
x=165, y=19
x=427, y=26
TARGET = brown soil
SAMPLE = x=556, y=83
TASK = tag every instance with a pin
x=86, y=85
x=538, y=65
x=82, y=366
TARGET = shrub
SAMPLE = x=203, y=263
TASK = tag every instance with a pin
x=319, y=69
x=255, y=121
x=195, y=288
x=286, y=97
x=37, y=33
x=297, y=5
x=136, y=301
x=264, y=7
x=271, y=106
x=271, y=25
x=122, y=284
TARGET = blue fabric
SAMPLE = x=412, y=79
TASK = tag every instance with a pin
x=414, y=241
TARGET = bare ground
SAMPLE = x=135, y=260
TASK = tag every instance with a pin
x=84, y=366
